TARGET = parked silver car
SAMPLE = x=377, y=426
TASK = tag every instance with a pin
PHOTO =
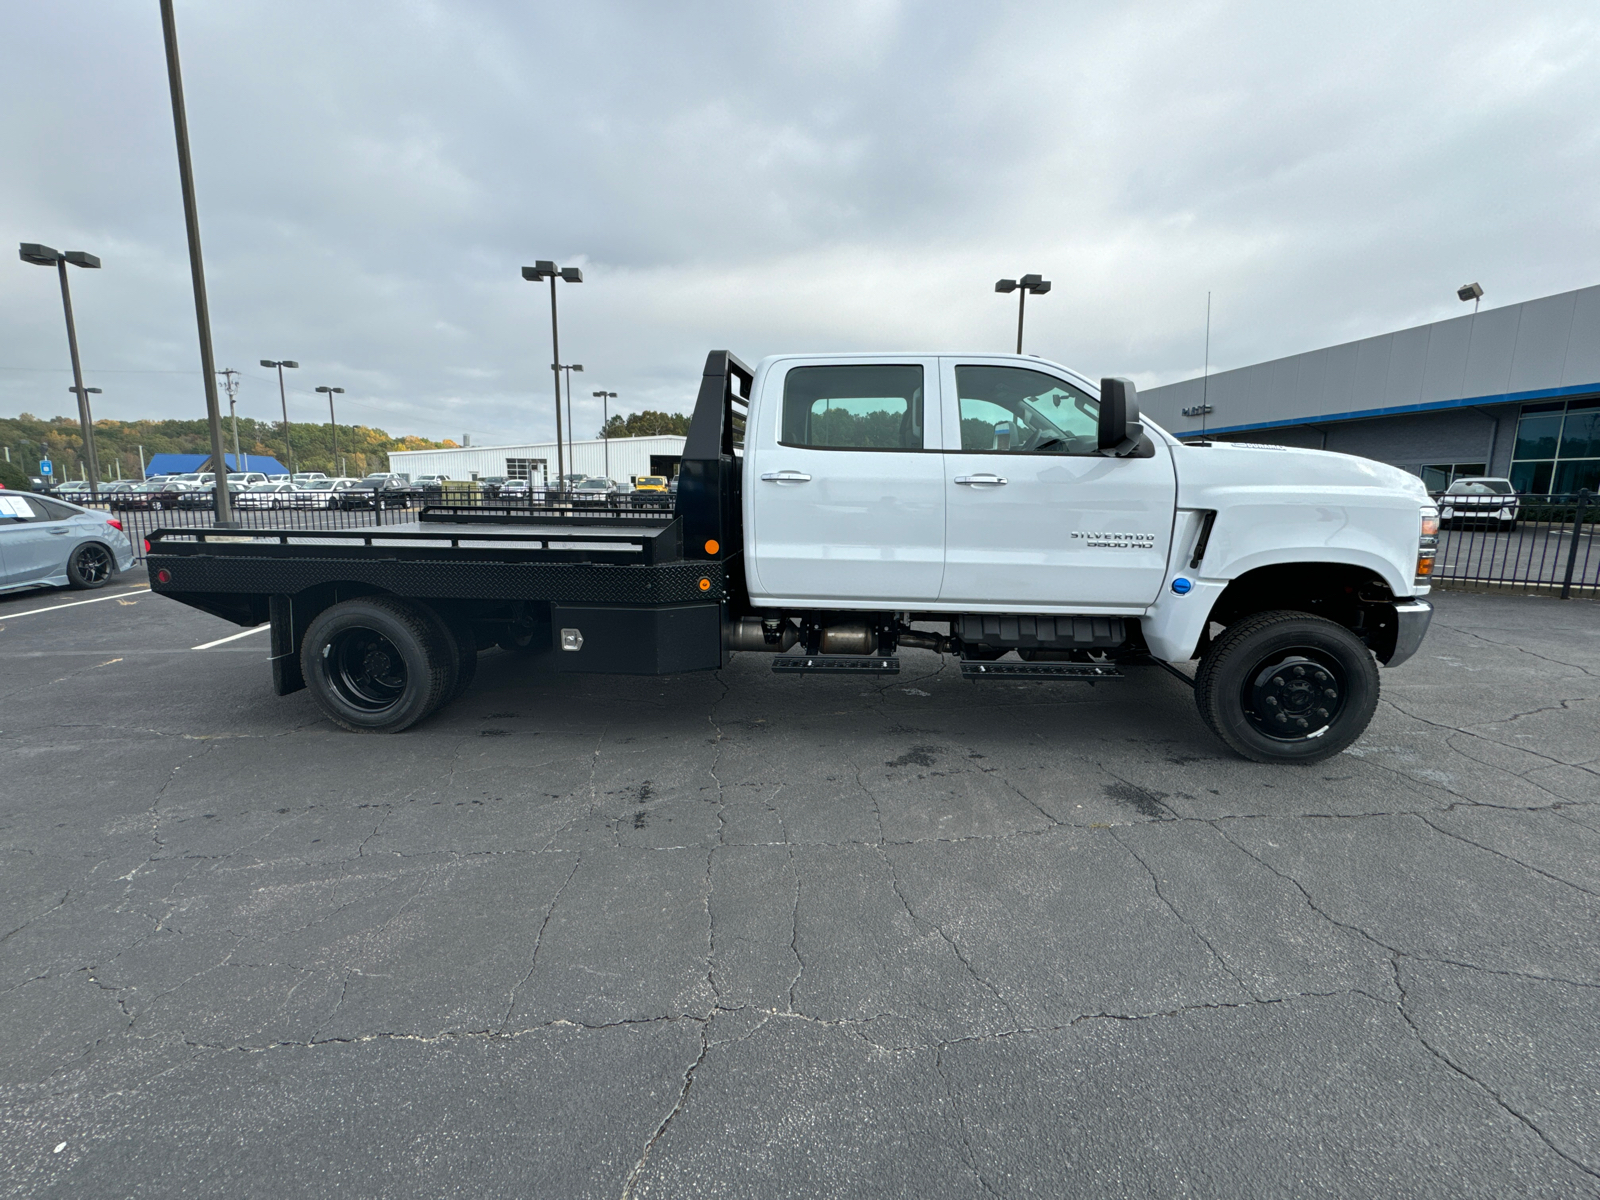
x=45, y=542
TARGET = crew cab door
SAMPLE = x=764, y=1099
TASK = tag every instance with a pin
x=844, y=483
x=1034, y=516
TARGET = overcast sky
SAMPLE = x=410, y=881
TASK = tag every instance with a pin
x=766, y=178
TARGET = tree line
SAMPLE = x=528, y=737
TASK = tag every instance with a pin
x=118, y=445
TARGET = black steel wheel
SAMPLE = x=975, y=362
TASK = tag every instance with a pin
x=91, y=565
x=376, y=665
x=1287, y=687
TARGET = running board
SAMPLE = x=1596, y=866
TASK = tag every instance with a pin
x=846, y=664
x=973, y=669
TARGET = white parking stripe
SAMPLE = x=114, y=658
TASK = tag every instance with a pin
x=11, y=616
x=232, y=637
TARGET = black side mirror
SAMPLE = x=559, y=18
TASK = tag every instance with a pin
x=1120, y=427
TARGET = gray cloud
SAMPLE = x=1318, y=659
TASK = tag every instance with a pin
x=767, y=178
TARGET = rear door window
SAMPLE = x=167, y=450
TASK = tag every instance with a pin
x=877, y=406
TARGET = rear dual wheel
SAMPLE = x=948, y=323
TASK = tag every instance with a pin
x=1287, y=687
x=379, y=664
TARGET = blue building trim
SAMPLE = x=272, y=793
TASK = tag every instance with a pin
x=1398, y=410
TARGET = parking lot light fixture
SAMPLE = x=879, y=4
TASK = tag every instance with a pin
x=543, y=269
x=332, y=392
x=605, y=419
x=288, y=446
x=45, y=256
x=1470, y=291
x=1028, y=283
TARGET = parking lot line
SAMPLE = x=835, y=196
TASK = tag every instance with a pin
x=74, y=604
x=232, y=637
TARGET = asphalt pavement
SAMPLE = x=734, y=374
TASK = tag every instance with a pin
x=744, y=935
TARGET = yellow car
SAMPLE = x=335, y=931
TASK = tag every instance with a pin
x=650, y=483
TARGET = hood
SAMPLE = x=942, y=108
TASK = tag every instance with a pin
x=1264, y=465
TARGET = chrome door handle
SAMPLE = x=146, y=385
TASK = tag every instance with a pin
x=981, y=480
x=786, y=477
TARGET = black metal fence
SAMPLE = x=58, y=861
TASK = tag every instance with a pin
x=1548, y=549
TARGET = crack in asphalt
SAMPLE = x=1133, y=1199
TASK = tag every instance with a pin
x=1422, y=1040
x=660, y=1131
x=1184, y=921
x=533, y=958
x=1519, y=649
x=1461, y=837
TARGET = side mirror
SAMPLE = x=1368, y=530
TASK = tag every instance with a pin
x=1120, y=427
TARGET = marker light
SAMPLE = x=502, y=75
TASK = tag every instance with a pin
x=712, y=546
x=705, y=585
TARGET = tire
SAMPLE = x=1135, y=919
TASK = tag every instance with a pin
x=91, y=566
x=1258, y=687
x=462, y=646
x=376, y=665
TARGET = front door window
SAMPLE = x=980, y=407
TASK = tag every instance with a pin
x=1011, y=410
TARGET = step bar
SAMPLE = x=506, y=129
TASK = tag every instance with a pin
x=835, y=664
x=1067, y=671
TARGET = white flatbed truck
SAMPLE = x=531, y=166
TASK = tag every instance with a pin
x=834, y=508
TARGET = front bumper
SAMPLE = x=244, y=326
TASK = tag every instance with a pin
x=1411, y=626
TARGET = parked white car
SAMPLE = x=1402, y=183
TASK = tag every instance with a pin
x=265, y=495
x=45, y=542
x=1480, y=500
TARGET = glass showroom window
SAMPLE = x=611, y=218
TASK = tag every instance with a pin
x=1558, y=447
x=1439, y=476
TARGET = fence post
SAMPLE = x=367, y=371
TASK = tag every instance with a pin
x=1572, y=550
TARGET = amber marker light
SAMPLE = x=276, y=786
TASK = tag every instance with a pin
x=705, y=585
x=712, y=546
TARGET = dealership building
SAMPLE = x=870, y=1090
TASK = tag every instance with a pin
x=1511, y=392
x=622, y=459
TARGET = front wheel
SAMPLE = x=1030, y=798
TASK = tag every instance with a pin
x=1287, y=687
x=375, y=665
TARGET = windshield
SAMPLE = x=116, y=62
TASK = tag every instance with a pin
x=652, y=481
x=1480, y=487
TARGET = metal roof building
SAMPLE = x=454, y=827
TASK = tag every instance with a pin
x=1511, y=391
x=182, y=464
x=627, y=458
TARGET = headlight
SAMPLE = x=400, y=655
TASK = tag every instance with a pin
x=1427, y=542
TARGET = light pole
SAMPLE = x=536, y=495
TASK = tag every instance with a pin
x=545, y=269
x=332, y=392
x=230, y=384
x=1028, y=283
x=91, y=459
x=605, y=419
x=569, y=368
x=44, y=256
x=283, y=398
x=197, y=269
